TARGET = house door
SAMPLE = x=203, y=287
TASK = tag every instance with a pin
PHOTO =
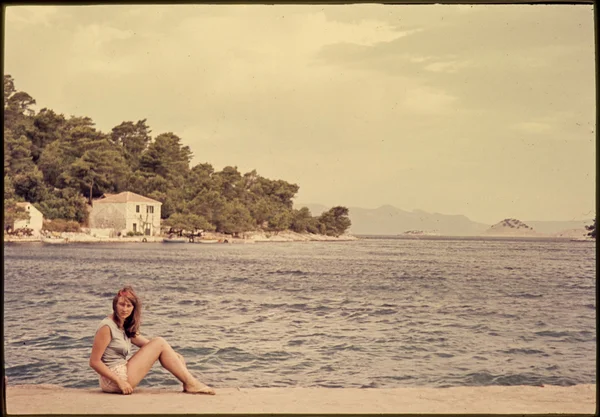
x=147, y=231
x=134, y=227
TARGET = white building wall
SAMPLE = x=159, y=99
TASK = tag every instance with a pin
x=35, y=222
x=142, y=219
x=123, y=216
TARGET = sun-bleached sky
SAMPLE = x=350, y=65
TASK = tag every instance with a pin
x=481, y=110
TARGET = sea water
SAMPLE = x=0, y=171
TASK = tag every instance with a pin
x=373, y=313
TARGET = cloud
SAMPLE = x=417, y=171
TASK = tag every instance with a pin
x=96, y=52
x=447, y=66
x=500, y=59
x=25, y=16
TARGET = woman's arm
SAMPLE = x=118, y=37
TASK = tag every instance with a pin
x=101, y=341
x=139, y=340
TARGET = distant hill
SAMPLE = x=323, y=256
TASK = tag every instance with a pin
x=389, y=220
x=554, y=227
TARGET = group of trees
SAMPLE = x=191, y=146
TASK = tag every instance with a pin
x=60, y=164
x=592, y=229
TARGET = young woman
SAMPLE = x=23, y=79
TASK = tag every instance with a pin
x=112, y=344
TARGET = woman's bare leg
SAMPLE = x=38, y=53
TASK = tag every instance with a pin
x=183, y=362
x=158, y=349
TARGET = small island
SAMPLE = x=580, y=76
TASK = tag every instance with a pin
x=417, y=233
x=512, y=227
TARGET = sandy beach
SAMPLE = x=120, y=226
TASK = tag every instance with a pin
x=51, y=399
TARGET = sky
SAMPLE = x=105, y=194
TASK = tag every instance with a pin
x=482, y=110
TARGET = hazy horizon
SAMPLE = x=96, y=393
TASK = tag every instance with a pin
x=584, y=219
x=487, y=111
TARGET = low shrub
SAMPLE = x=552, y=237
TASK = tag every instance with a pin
x=61, y=225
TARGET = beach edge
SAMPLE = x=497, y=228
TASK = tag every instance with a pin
x=52, y=399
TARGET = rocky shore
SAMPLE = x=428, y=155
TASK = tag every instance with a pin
x=52, y=399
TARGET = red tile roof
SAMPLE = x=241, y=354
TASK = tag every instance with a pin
x=126, y=197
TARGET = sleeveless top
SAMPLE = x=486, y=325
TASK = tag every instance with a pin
x=119, y=347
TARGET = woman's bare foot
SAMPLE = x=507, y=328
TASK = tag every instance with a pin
x=198, y=388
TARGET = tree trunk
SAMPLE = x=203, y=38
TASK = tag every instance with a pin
x=91, y=187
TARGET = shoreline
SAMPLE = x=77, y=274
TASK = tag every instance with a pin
x=52, y=399
x=250, y=237
x=281, y=237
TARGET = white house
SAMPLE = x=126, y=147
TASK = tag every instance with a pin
x=126, y=212
x=35, y=222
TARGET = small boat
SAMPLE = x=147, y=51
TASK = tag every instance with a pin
x=206, y=241
x=54, y=241
x=176, y=240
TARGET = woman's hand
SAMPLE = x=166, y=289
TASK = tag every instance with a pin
x=125, y=387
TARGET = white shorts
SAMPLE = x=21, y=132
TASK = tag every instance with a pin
x=107, y=384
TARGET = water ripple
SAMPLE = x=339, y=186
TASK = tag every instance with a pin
x=377, y=313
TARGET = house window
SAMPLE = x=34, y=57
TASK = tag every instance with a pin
x=137, y=209
x=150, y=209
x=134, y=227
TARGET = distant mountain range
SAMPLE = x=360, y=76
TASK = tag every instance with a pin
x=389, y=220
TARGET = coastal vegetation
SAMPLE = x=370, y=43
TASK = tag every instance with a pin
x=61, y=164
x=592, y=229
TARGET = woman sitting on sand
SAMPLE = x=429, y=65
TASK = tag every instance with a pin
x=112, y=344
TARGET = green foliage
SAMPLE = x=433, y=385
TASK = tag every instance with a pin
x=190, y=222
x=50, y=163
x=30, y=185
x=66, y=204
x=9, y=189
x=261, y=210
x=47, y=128
x=229, y=183
x=26, y=179
x=13, y=213
x=334, y=222
x=99, y=168
x=132, y=139
x=282, y=220
x=301, y=220
x=17, y=111
x=9, y=88
x=592, y=229
x=166, y=157
x=131, y=234
x=234, y=218
x=208, y=204
x=17, y=154
x=59, y=163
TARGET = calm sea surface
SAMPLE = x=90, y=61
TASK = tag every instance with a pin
x=377, y=313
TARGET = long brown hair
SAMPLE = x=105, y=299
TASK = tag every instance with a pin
x=132, y=323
